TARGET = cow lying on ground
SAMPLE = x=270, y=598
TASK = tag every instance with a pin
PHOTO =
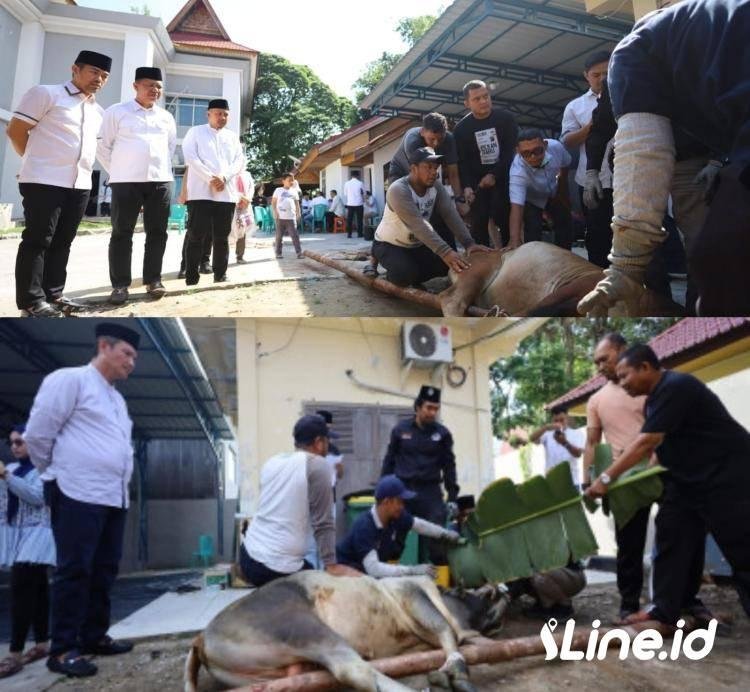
x=336, y=623
x=535, y=279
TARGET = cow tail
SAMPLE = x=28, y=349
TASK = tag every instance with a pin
x=193, y=664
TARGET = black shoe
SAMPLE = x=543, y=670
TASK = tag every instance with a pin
x=119, y=296
x=205, y=268
x=220, y=279
x=66, y=305
x=181, y=274
x=41, y=309
x=108, y=647
x=73, y=665
x=156, y=290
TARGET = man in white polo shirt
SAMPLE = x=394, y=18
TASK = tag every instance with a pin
x=354, y=192
x=54, y=129
x=561, y=443
x=136, y=146
x=214, y=156
x=539, y=183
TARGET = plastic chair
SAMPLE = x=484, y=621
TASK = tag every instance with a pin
x=259, y=218
x=177, y=217
x=269, y=225
x=205, y=554
x=319, y=217
x=339, y=224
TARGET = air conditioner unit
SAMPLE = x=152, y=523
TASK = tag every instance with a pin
x=425, y=345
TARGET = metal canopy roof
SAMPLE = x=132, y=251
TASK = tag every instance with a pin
x=168, y=394
x=530, y=52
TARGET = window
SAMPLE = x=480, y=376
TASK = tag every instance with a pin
x=187, y=110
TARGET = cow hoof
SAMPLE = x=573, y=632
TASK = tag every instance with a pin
x=439, y=681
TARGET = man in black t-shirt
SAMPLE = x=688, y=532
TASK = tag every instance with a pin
x=486, y=141
x=707, y=486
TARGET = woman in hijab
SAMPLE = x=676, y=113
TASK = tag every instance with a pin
x=27, y=548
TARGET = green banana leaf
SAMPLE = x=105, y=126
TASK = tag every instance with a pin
x=638, y=487
x=518, y=530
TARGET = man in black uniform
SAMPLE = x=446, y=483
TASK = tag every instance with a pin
x=486, y=139
x=420, y=454
x=707, y=454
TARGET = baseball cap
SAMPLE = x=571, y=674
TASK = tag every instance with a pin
x=307, y=428
x=391, y=486
x=424, y=154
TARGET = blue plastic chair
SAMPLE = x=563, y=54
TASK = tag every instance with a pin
x=319, y=217
x=205, y=554
x=177, y=217
x=269, y=225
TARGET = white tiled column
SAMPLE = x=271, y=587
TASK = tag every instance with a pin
x=139, y=52
x=231, y=90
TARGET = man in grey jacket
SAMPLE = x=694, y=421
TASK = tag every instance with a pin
x=406, y=243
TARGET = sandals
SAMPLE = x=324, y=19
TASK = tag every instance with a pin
x=35, y=653
x=10, y=665
x=370, y=271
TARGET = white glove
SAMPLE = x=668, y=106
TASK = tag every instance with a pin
x=452, y=508
x=707, y=177
x=592, y=189
x=616, y=286
x=424, y=571
x=452, y=537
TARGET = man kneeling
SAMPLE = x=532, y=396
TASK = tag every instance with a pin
x=378, y=536
x=406, y=243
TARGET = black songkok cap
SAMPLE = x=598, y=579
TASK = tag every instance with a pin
x=223, y=104
x=88, y=57
x=148, y=73
x=428, y=393
x=118, y=331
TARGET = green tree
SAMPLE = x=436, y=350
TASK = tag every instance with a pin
x=143, y=9
x=293, y=111
x=550, y=362
x=411, y=29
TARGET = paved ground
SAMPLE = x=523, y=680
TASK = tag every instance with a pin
x=264, y=287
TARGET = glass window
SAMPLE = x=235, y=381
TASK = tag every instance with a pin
x=187, y=110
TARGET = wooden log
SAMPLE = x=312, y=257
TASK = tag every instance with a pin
x=415, y=295
x=483, y=651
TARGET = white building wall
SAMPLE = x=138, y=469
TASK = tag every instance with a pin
x=334, y=177
x=380, y=158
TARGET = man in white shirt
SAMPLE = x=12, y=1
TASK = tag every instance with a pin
x=286, y=211
x=561, y=443
x=214, y=157
x=539, y=183
x=79, y=436
x=335, y=209
x=371, y=207
x=295, y=493
x=576, y=126
x=354, y=191
x=54, y=130
x=136, y=146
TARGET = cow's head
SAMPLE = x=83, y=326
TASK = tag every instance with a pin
x=480, y=609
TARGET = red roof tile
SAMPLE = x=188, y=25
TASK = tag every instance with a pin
x=672, y=345
x=208, y=42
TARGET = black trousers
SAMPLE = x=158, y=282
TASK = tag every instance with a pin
x=681, y=527
x=52, y=216
x=631, y=542
x=351, y=213
x=408, y=266
x=29, y=604
x=598, y=228
x=491, y=203
x=88, y=538
x=127, y=201
x=563, y=224
x=208, y=222
x=206, y=257
x=429, y=505
x=257, y=574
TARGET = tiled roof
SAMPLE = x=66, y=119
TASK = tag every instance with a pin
x=208, y=42
x=672, y=346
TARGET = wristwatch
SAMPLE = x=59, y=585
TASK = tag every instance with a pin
x=460, y=199
x=605, y=478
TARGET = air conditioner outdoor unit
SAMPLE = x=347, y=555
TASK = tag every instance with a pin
x=425, y=345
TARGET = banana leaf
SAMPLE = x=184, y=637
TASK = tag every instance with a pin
x=464, y=560
x=638, y=487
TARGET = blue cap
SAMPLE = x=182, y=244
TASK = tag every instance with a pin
x=391, y=486
x=307, y=428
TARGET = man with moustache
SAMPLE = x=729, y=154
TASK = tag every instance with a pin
x=54, y=130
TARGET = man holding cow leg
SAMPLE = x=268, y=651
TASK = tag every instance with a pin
x=295, y=492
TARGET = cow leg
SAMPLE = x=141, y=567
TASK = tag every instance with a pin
x=468, y=284
x=346, y=665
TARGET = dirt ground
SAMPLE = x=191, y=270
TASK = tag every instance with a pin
x=157, y=666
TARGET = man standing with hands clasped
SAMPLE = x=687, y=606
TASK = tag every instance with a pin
x=79, y=434
x=214, y=157
x=136, y=146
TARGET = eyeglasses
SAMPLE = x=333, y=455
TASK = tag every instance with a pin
x=17, y=443
x=531, y=153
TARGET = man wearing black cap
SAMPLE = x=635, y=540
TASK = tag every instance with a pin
x=406, y=243
x=136, y=146
x=420, y=453
x=378, y=536
x=295, y=494
x=214, y=157
x=79, y=436
x=54, y=130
